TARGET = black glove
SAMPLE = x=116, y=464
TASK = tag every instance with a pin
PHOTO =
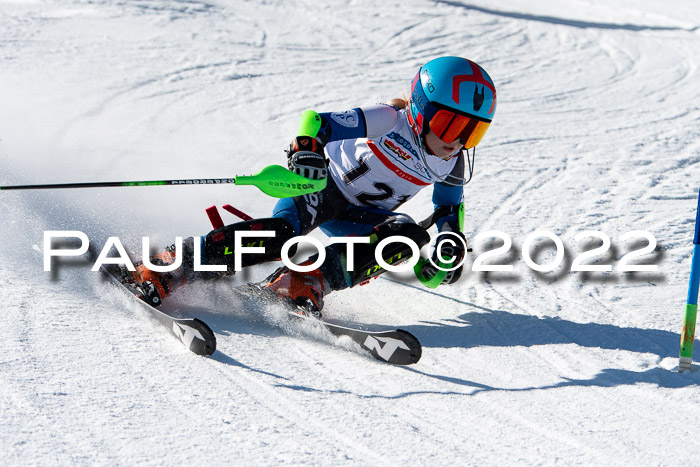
x=305, y=158
x=452, y=251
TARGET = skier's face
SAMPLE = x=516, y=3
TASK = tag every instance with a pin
x=441, y=149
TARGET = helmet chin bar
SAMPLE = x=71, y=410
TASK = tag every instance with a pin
x=449, y=178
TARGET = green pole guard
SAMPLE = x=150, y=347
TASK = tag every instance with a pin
x=276, y=181
x=310, y=124
x=434, y=281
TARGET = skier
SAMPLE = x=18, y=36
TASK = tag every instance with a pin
x=375, y=159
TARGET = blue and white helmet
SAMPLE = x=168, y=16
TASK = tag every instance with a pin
x=455, y=98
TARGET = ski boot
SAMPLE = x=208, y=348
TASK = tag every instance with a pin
x=151, y=286
x=304, y=290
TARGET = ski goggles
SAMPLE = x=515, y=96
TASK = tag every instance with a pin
x=446, y=123
x=450, y=126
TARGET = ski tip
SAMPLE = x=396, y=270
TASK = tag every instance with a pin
x=201, y=338
x=397, y=347
x=415, y=349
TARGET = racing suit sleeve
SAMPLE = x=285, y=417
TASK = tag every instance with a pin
x=366, y=122
x=446, y=200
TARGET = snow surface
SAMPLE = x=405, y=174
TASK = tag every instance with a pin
x=596, y=129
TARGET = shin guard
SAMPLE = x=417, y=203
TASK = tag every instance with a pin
x=365, y=264
x=219, y=245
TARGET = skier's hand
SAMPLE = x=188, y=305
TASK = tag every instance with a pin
x=452, y=252
x=305, y=158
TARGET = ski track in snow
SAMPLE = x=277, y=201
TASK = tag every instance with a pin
x=596, y=129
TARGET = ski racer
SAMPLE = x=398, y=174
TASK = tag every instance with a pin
x=375, y=159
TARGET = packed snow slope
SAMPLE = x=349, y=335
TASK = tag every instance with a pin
x=596, y=130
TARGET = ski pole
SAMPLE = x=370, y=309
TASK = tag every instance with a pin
x=691, y=307
x=273, y=180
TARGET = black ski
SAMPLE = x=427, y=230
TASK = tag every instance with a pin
x=395, y=346
x=192, y=332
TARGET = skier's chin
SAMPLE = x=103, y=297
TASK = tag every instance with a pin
x=445, y=155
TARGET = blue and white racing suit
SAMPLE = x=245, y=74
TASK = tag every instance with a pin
x=376, y=163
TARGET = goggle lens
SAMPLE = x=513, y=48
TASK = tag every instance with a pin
x=449, y=126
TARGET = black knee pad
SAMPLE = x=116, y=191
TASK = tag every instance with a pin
x=365, y=264
x=219, y=244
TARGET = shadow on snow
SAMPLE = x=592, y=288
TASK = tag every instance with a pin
x=491, y=328
x=563, y=21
